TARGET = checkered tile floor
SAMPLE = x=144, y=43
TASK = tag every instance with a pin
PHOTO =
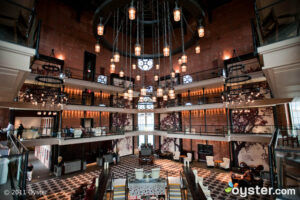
x=61, y=188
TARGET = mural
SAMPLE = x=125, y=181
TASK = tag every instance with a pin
x=251, y=153
x=123, y=146
x=122, y=120
x=168, y=144
x=253, y=120
x=170, y=121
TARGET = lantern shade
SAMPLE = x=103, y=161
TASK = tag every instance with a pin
x=131, y=12
x=179, y=61
x=121, y=73
x=157, y=66
x=156, y=77
x=183, y=67
x=154, y=99
x=100, y=29
x=97, y=47
x=116, y=57
x=172, y=96
x=166, y=50
x=143, y=91
x=159, y=92
x=141, y=99
x=176, y=14
x=112, y=67
x=133, y=66
x=201, y=31
x=197, y=49
x=173, y=74
x=138, y=77
x=184, y=58
x=165, y=97
x=137, y=49
x=125, y=95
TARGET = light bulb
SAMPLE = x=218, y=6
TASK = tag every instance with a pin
x=155, y=77
x=197, y=49
x=131, y=12
x=165, y=97
x=201, y=31
x=159, y=92
x=133, y=66
x=166, y=50
x=183, y=67
x=137, y=49
x=179, y=61
x=112, y=68
x=157, y=66
x=121, y=73
x=100, y=29
x=138, y=77
x=173, y=74
x=176, y=14
x=97, y=47
x=154, y=98
x=116, y=57
x=125, y=95
x=143, y=91
x=184, y=58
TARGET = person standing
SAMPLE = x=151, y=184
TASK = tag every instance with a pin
x=20, y=131
x=9, y=129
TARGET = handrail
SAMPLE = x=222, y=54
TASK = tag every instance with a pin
x=126, y=187
x=272, y=163
x=195, y=189
x=103, y=179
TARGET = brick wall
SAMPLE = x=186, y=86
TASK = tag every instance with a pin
x=229, y=29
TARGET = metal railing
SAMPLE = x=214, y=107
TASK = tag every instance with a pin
x=276, y=21
x=14, y=169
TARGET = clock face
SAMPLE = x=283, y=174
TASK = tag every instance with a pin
x=145, y=64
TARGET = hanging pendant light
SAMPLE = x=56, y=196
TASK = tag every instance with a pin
x=157, y=66
x=112, y=60
x=130, y=98
x=172, y=96
x=130, y=92
x=171, y=91
x=143, y=91
x=138, y=77
x=179, y=61
x=121, y=73
x=166, y=50
x=155, y=77
x=97, y=47
x=173, y=74
x=183, y=67
x=125, y=95
x=197, y=49
x=184, y=58
x=154, y=99
x=159, y=91
x=176, y=13
x=133, y=66
x=116, y=57
x=137, y=49
x=112, y=67
x=165, y=97
x=131, y=12
x=201, y=31
x=141, y=99
x=100, y=28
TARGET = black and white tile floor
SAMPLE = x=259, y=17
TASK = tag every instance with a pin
x=61, y=188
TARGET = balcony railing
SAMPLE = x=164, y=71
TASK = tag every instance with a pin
x=14, y=160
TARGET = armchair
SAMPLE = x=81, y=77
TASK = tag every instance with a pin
x=210, y=161
x=155, y=173
x=139, y=174
x=176, y=155
x=225, y=164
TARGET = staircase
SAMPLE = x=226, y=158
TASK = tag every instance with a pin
x=119, y=192
x=174, y=191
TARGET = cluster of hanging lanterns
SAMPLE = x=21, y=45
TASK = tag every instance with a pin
x=138, y=51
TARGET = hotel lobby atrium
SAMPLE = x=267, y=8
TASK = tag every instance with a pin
x=149, y=99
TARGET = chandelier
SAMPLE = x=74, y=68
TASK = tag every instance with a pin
x=48, y=88
x=141, y=30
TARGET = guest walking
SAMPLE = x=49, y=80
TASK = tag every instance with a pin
x=20, y=131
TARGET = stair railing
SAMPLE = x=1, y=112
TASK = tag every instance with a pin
x=126, y=187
